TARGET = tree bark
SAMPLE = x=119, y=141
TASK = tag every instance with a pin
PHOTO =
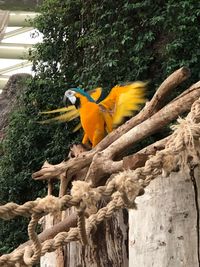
x=164, y=230
x=49, y=259
x=108, y=246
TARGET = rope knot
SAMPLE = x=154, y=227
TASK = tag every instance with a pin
x=49, y=204
x=128, y=187
x=89, y=196
x=185, y=141
x=30, y=256
x=187, y=130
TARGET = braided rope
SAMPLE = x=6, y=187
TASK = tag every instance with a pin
x=181, y=149
x=28, y=258
x=81, y=223
x=49, y=204
x=63, y=237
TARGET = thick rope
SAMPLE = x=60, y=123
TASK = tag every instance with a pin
x=181, y=150
x=81, y=223
x=65, y=237
x=49, y=204
x=28, y=258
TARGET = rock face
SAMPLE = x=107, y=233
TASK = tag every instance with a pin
x=8, y=97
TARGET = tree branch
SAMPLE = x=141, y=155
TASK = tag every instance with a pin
x=64, y=226
x=152, y=107
x=102, y=160
x=70, y=167
x=138, y=159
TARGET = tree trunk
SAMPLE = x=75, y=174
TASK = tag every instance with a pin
x=49, y=259
x=164, y=230
x=14, y=87
x=108, y=246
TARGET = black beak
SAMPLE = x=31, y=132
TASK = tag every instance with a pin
x=64, y=100
x=77, y=103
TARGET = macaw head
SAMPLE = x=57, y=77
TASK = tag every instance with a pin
x=70, y=96
x=75, y=96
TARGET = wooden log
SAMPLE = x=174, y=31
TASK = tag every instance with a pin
x=103, y=163
x=138, y=159
x=176, y=78
x=49, y=259
x=108, y=246
x=164, y=229
x=64, y=226
x=85, y=159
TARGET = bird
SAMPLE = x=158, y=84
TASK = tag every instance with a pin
x=99, y=118
x=70, y=112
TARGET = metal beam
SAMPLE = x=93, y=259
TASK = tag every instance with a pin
x=17, y=32
x=14, y=51
x=4, y=16
x=15, y=45
x=3, y=81
x=20, y=18
x=15, y=67
x=10, y=50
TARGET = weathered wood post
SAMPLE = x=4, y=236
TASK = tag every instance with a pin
x=108, y=246
x=164, y=230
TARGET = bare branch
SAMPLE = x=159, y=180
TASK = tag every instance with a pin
x=64, y=226
x=71, y=166
x=153, y=106
x=138, y=159
x=170, y=112
x=175, y=79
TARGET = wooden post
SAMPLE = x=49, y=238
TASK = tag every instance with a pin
x=107, y=247
x=164, y=230
x=49, y=259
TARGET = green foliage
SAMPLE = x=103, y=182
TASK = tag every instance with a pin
x=103, y=43
x=89, y=43
x=26, y=146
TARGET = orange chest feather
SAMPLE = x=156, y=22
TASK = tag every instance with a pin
x=91, y=119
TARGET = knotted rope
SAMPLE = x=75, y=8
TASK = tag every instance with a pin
x=182, y=149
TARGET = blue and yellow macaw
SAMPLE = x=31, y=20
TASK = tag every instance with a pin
x=98, y=119
x=70, y=113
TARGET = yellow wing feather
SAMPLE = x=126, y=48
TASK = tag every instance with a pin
x=95, y=93
x=58, y=110
x=70, y=112
x=67, y=116
x=78, y=127
x=122, y=101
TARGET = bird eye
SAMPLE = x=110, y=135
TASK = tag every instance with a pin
x=69, y=93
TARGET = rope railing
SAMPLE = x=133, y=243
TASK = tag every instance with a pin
x=181, y=149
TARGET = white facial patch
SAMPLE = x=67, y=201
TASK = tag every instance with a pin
x=71, y=96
